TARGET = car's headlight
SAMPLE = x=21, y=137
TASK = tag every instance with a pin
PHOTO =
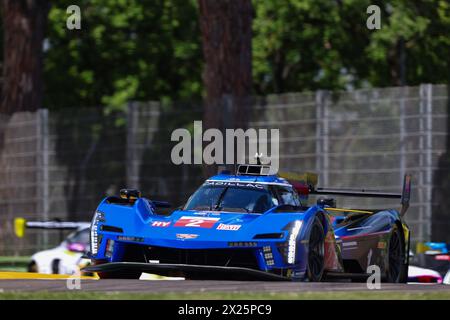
x=292, y=242
x=95, y=241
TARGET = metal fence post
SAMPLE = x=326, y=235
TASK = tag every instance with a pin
x=426, y=161
x=429, y=157
x=402, y=129
x=42, y=163
x=322, y=136
x=132, y=159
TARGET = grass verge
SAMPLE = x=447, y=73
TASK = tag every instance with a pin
x=335, y=295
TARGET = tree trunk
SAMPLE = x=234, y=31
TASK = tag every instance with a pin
x=226, y=27
x=24, y=24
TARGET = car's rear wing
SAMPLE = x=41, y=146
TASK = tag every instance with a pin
x=20, y=224
x=404, y=197
x=305, y=185
x=356, y=193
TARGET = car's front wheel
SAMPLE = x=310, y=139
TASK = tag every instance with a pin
x=316, y=255
x=32, y=267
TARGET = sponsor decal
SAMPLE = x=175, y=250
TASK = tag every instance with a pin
x=186, y=236
x=207, y=213
x=381, y=245
x=196, y=222
x=160, y=224
x=350, y=244
x=229, y=227
x=135, y=239
x=235, y=184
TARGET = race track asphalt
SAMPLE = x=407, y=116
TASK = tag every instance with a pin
x=164, y=286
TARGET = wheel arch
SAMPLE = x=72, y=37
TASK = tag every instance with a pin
x=32, y=264
x=405, y=238
x=323, y=220
x=309, y=218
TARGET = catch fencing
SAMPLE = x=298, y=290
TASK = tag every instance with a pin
x=60, y=164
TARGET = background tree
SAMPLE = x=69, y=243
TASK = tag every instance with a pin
x=24, y=24
x=226, y=27
x=413, y=40
x=125, y=50
x=308, y=44
x=151, y=50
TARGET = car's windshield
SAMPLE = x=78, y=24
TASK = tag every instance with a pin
x=232, y=198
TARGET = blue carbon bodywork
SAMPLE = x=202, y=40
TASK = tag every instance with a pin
x=268, y=236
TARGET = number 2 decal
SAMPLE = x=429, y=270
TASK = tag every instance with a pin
x=194, y=222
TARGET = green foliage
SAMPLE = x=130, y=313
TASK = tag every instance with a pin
x=294, y=45
x=125, y=50
x=423, y=26
x=310, y=44
x=151, y=49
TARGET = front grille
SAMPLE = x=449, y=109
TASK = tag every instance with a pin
x=111, y=228
x=268, y=236
x=239, y=257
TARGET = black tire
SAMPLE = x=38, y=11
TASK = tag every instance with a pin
x=396, y=268
x=316, y=252
x=55, y=266
x=32, y=267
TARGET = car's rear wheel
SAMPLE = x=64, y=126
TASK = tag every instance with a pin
x=316, y=255
x=396, y=269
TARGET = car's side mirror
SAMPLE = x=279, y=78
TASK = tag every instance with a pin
x=130, y=194
x=326, y=202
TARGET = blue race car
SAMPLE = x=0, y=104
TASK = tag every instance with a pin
x=251, y=225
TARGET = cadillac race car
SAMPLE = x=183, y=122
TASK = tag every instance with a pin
x=68, y=256
x=251, y=225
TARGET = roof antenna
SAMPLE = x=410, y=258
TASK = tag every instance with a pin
x=258, y=157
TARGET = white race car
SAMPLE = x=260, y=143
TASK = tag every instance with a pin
x=68, y=257
x=447, y=278
x=422, y=275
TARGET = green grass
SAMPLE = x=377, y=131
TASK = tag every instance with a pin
x=14, y=260
x=372, y=295
x=13, y=268
x=14, y=263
